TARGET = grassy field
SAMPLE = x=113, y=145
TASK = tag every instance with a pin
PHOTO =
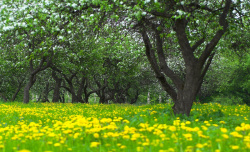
x=48, y=127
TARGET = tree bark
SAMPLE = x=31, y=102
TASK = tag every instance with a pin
x=148, y=98
x=18, y=90
x=56, y=93
x=32, y=75
x=26, y=95
x=46, y=93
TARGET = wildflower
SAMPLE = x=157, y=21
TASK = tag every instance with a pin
x=236, y=134
x=188, y=136
x=24, y=150
x=199, y=145
x=224, y=130
x=235, y=147
x=96, y=135
x=1, y=146
x=125, y=136
x=94, y=144
x=238, y=129
x=76, y=135
x=225, y=136
x=222, y=122
x=172, y=128
x=139, y=149
x=171, y=149
x=57, y=144
x=145, y=144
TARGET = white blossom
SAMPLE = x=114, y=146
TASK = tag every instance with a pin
x=7, y=28
x=60, y=37
x=74, y=5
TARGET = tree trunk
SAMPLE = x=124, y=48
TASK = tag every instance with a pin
x=148, y=99
x=160, y=99
x=74, y=98
x=186, y=97
x=18, y=90
x=135, y=98
x=46, y=93
x=56, y=94
x=81, y=89
x=26, y=95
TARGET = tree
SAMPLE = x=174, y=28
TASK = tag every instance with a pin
x=190, y=22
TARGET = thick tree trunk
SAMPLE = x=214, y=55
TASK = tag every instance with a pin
x=16, y=93
x=20, y=83
x=186, y=97
x=26, y=95
x=81, y=89
x=184, y=103
x=135, y=98
x=74, y=98
x=56, y=94
x=46, y=93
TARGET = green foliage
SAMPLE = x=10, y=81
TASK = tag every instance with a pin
x=229, y=99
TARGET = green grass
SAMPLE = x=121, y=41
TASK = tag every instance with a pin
x=40, y=127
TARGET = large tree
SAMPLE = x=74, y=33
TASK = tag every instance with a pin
x=194, y=29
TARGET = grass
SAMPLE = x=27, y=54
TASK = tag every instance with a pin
x=44, y=127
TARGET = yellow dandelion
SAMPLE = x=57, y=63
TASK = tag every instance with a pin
x=235, y=147
x=125, y=136
x=236, y=134
x=238, y=129
x=94, y=144
x=225, y=136
x=163, y=150
x=139, y=149
x=123, y=147
x=96, y=135
x=172, y=128
x=224, y=130
x=199, y=145
x=222, y=122
x=57, y=144
x=24, y=150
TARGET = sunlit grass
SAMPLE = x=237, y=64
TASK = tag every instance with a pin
x=40, y=127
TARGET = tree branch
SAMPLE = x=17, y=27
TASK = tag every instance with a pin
x=161, y=57
x=211, y=45
x=187, y=53
x=152, y=59
x=197, y=44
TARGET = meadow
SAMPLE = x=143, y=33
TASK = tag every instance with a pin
x=57, y=127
